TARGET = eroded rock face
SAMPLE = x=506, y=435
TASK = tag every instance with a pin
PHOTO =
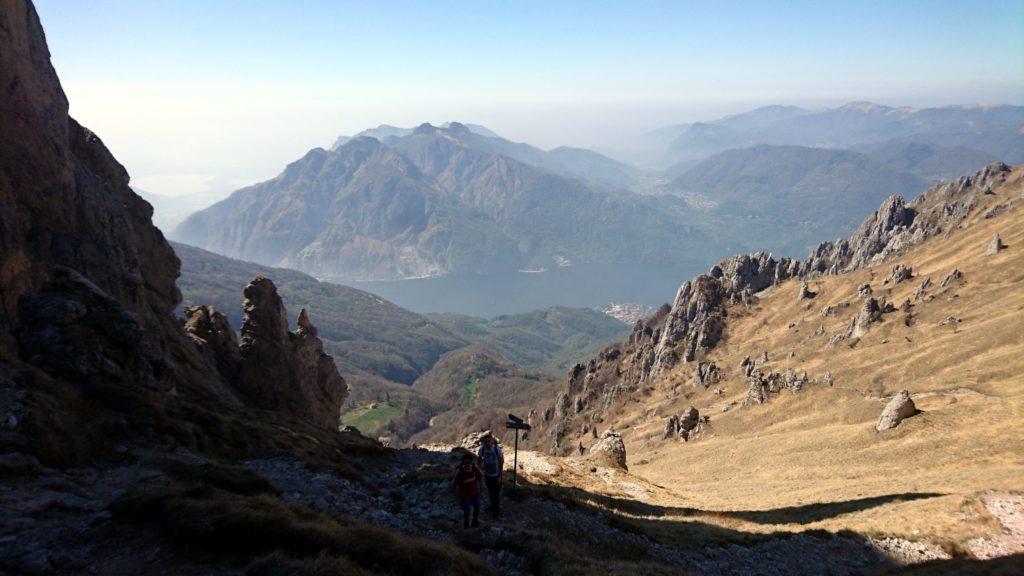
x=609, y=451
x=81, y=333
x=282, y=370
x=756, y=390
x=899, y=408
x=707, y=374
x=213, y=336
x=869, y=312
x=901, y=272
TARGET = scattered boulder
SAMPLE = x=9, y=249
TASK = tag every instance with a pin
x=610, y=450
x=755, y=393
x=833, y=311
x=996, y=210
x=688, y=423
x=900, y=272
x=764, y=357
x=864, y=290
x=953, y=276
x=671, y=427
x=706, y=374
x=870, y=312
x=835, y=340
x=805, y=292
x=473, y=440
x=899, y=408
x=793, y=382
x=747, y=366
x=995, y=246
x=920, y=293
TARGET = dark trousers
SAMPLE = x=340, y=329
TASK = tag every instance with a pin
x=494, y=492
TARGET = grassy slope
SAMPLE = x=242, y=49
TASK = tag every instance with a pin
x=382, y=349
x=798, y=452
x=551, y=340
x=481, y=387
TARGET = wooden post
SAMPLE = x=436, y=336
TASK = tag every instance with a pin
x=515, y=460
x=517, y=424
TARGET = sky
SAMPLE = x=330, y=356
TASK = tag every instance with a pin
x=208, y=96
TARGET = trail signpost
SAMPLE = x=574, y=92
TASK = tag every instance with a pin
x=516, y=423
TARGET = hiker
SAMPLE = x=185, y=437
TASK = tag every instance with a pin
x=466, y=486
x=493, y=461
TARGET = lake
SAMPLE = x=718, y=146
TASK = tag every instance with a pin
x=581, y=286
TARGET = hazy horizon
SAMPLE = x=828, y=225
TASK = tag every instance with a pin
x=193, y=105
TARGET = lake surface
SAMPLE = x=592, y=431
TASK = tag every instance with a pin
x=582, y=286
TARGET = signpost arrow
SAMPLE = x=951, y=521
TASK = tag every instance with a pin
x=516, y=423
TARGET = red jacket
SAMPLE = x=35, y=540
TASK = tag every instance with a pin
x=467, y=484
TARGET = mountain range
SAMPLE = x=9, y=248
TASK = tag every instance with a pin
x=438, y=201
x=992, y=130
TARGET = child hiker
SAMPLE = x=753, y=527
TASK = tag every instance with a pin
x=466, y=485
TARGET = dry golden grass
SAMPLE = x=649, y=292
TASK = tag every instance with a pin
x=813, y=460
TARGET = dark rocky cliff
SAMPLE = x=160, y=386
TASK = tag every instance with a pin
x=65, y=204
x=87, y=288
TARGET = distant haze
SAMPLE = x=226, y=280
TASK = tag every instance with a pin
x=200, y=97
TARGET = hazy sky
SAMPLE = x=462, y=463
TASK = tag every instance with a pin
x=195, y=96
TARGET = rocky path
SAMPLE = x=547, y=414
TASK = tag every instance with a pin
x=418, y=502
x=567, y=502
x=1009, y=510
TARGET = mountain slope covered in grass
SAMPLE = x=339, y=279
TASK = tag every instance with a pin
x=383, y=349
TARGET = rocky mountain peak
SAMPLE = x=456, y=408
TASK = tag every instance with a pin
x=425, y=129
x=458, y=128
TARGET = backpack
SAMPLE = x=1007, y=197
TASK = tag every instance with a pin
x=489, y=457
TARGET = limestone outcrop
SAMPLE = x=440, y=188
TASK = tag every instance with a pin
x=898, y=409
x=995, y=245
x=609, y=451
x=282, y=370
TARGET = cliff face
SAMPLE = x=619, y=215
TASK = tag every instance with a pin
x=65, y=205
x=694, y=323
x=87, y=283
